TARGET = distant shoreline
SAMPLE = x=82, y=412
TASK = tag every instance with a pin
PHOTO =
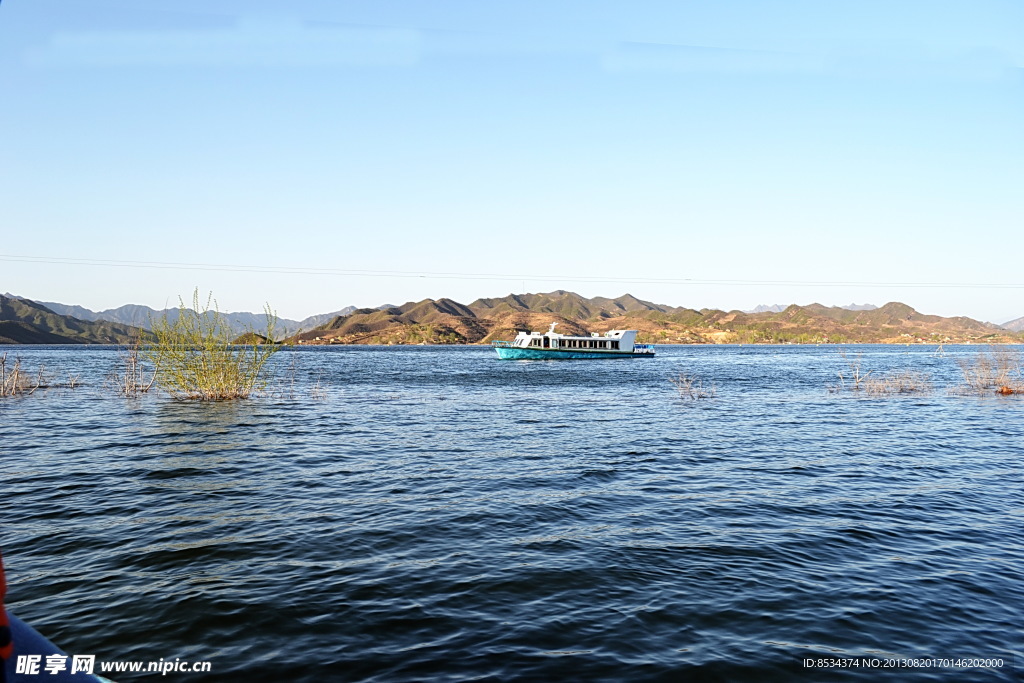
x=445, y=321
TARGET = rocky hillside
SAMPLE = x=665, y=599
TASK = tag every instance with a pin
x=1016, y=325
x=448, y=322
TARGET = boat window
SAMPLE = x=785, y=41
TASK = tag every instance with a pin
x=615, y=345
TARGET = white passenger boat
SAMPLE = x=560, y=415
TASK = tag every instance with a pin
x=551, y=345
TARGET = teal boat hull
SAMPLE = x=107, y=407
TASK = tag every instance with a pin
x=513, y=353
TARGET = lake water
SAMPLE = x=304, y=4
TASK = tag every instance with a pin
x=433, y=513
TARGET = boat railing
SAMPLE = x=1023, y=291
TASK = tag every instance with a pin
x=500, y=343
x=643, y=348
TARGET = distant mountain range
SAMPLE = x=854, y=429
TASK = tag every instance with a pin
x=1016, y=325
x=140, y=316
x=446, y=321
x=26, y=322
x=779, y=308
x=132, y=314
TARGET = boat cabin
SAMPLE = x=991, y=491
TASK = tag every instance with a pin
x=612, y=341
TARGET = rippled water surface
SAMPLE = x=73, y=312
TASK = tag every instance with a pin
x=433, y=513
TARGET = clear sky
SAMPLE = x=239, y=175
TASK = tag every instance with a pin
x=703, y=154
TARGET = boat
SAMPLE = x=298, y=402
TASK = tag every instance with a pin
x=551, y=345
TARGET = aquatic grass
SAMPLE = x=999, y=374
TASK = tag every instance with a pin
x=318, y=392
x=996, y=370
x=854, y=372
x=196, y=359
x=692, y=388
x=899, y=382
x=131, y=377
x=855, y=379
x=286, y=387
x=17, y=382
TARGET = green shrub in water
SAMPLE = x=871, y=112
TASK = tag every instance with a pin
x=196, y=357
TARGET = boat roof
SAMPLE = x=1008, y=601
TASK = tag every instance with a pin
x=610, y=334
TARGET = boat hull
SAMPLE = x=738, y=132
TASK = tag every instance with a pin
x=513, y=353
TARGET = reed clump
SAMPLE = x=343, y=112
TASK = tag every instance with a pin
x=900, y=382
x=17, y=381
x=14, y=381
x=854, y=376
x=132, y=377
x=195, y=358
x=997, y=370
x=856, y=379
x=288, y=388
x=692, y=388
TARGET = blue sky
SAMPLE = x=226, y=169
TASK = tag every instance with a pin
x=699, y=154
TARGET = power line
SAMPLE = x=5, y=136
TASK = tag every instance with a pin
x=295, y=270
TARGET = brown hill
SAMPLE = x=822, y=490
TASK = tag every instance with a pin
x=568, y=305
x=417, y=322
x=253, y=338
x=485, y=320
